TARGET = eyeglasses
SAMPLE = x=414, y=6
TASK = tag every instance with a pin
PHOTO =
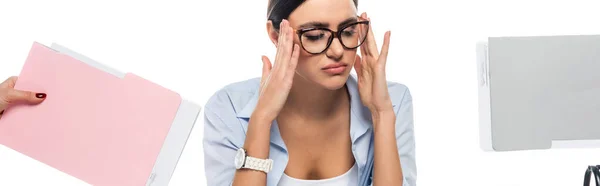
x=318, y=40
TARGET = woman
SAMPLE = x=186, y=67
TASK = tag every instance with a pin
x=306, y=121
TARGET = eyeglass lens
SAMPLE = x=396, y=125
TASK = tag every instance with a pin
x=317, y=40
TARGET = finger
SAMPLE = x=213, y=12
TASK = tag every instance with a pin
x=13, y=96
x=9, y=83
x=371, y=44
x=363, y=47
x=363, y=50
x=294, y=58
x=363, y=62
x=289, y=43
x=266, y=66
x=385, y=47
x=291, y=72
x=284, y=51
x=357, y=66
x=266, y=69
x=279, y=45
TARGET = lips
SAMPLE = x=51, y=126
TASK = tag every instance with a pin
x=335, y=65
x=334, y=69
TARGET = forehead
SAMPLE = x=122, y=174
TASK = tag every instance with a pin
x=328, y=11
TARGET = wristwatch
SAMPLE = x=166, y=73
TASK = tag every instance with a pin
x=242, y=160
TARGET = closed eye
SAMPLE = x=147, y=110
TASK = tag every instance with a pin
x=314, y=37
x=348, y=33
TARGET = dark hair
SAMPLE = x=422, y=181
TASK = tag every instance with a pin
x=281, y=9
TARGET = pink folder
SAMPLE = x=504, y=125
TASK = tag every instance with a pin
x=97, y=127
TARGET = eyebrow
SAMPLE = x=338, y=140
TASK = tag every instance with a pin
x=316, y=24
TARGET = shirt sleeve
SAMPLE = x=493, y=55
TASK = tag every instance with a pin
x=219, y=142
x=405, y=139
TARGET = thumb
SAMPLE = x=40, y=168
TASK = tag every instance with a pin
x=266, y=69
x=15, y=96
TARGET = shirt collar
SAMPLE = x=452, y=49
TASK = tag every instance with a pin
x=360, y=116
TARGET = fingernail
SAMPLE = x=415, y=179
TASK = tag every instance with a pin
x=40, y=95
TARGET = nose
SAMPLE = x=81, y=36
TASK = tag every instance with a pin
x=335, y=51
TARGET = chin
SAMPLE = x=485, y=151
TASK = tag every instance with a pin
x=334, y=82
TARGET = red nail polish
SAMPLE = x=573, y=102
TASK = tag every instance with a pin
x=40, y=95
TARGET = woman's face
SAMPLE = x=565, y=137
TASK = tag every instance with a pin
x=331, y=14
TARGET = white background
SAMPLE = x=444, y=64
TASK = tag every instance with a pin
x=196, y=47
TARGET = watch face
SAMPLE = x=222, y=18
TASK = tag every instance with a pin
x=239, y=158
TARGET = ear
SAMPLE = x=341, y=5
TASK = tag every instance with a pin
x=273, y=33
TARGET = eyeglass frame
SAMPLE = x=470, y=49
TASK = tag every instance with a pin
x=334, y=34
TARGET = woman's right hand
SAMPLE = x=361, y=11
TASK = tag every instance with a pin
x=9, y=95
x=276, y=82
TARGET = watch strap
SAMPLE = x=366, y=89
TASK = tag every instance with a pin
x=258, y=164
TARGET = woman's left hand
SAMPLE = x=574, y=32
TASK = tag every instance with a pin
x=370, y=69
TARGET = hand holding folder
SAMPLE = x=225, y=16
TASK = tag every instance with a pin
x=99, y=125
x=10, y=95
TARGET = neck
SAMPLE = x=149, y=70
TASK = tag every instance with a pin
x=309, y=100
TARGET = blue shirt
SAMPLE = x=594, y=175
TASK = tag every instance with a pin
x=226, y=116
